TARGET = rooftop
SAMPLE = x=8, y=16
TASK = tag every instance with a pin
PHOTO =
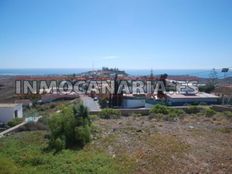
x=197, y=95
x=8, y=105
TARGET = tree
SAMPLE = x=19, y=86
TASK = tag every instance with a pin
x=81, y=113
x=213, y=76
x=162, y=79
x=69, y=128
x=152, y=77
x=208, y=88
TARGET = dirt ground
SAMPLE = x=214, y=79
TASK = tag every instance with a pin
x=193, y=144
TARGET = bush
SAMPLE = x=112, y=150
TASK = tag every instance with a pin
x=175, y=112
x=162, y=111
x=192, y=110
x=69, y=128
x=207, y=88
x=56, y=144
x=93, y=117
x=228, y=114
x=209, y=112
x=159, y=109
x=37, y=160
x=109, y=114
x=15, y=122
x=82, y=135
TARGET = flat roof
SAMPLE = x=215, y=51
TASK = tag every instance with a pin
x=8, y=105
x=197, y=95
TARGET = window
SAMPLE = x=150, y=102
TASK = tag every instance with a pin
x=16, y=113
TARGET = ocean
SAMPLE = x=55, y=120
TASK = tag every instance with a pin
x=203, y=73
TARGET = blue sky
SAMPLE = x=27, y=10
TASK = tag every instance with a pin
x=129, y=34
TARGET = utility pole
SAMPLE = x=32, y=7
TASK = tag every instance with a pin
x=224, y=70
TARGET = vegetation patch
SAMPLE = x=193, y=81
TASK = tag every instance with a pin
x=15, y=122
x=7, y=166
x=164, y=112
x=228, y=114
x=209, y=112
x=23, y=153
x=193, y=110
x=109, y=113
x=69, y=128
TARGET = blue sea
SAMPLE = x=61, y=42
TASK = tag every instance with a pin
x=204, y=73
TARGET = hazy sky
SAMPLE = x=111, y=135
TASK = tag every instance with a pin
x=158, y=34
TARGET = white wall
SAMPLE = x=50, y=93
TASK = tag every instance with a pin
x=133, y=103
x=8, y=113
x=192, y=100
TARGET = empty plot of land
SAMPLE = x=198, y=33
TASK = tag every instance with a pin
x=189, y=145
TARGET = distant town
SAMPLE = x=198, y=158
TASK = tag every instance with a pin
x=45, y=104
x=164, y=89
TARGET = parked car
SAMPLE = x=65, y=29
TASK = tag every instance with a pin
x=95, y=99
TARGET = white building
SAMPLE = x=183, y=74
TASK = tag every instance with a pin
x=131, y=101
x=198, y=98
x=10, y=111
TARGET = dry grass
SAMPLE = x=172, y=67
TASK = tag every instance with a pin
x=192, y=144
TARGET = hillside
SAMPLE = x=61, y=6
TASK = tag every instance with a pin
x=135, y=144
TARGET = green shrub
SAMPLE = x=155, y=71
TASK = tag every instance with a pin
x=172, y=114
x=15, y=122
x=38, y=160
x=109, y=113
x=7, y=166
x=93, y=117
x=178, y=112
x=228, y=114
x=159, y=109
x=69, y=128
x=162, y=111
x=192, y=110
x=207, y=88
x=209, y=112
x=82, y=135
x=57, y=144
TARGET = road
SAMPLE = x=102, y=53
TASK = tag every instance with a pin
x=27, y=120
x=12, y=129
x=90, y=103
